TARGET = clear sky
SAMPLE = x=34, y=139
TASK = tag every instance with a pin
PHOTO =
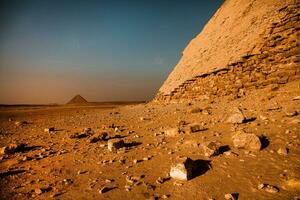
x=105, y=50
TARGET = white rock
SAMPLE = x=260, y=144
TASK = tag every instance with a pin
x=182, y=169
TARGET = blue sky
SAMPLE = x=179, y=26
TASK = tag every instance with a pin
x=110, y=50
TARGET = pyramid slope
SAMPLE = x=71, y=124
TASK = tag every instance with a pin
x=234, y=30
x=77, y=100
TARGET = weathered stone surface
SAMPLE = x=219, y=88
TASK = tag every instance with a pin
x=282, y=151
x=237, y=117
x=210, y=148
x=115, y=144
x=247, y=141
x=182, y=169
x=193, y=128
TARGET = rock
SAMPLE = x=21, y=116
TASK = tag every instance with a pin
x=49, y=130
x=211, y=148
x=247, y=141
x=195, y=110
x=230, y=197
x=195, y=128
x=21, y=123
x=78, y=135
x=115, y=144
x=38, y=191
x=104, y=190
x=296, y=98
x=171, y=132
x=268, y=188
x=282, y=151
x=237, y=117
x=182, y=169
x=98, y=137
x=12, y=148
x=88, y=131
x=291, y=113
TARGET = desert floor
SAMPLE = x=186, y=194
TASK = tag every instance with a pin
x=55, y=166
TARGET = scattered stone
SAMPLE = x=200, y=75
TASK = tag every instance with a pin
x=268, y=188
x=195, y=128
x=38, y=190
x=171, y=132
x=49, y=130
x=78, y=135
x=98, y=137
x=282, y=151
x=296, y=98
x=115, y=144
x=182, y=169
x=237, y=117
x=211, y=148
x=195, y=110
x=12, y=148
x=104, y=190
x=135, y=161
x=230, y=197
x=247, y=141
x=21, y=123
x=291, y=113
x=165, y=196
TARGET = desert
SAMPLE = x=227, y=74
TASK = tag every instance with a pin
x=225, y=124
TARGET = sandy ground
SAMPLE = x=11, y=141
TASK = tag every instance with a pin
x=55, y=166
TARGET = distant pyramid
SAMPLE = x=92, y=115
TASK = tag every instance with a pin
x=77, y=100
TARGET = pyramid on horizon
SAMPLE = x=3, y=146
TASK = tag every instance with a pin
x=78, y=100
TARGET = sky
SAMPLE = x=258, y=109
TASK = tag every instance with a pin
x=104, y=50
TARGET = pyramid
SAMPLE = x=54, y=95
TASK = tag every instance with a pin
x=77, y=100
x=246, y=44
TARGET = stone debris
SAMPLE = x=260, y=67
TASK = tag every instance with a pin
x=210, y=148
x=296, y=98
x=21, y=123
x=268, y=188
x=38, y=191
x=104, y=190
x=171, y=132
x=230, y=196
x=49, y=130
x=193, y=128
x=195, y=110
x=115, y=144
x=282, y=151
x=12, y=148
x=78, y=135
x=182, y=169
x=98, y=137
x=247, y=141
x=237, y=117
x=291, y=113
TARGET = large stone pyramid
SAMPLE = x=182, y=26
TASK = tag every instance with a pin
x=77, y=100
x=247, y=44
